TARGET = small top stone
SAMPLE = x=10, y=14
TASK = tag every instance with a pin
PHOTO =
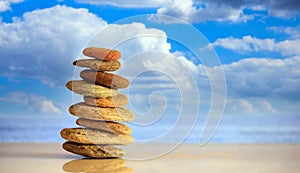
x=102, y=53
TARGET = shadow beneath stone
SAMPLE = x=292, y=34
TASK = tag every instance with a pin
x=87, y=165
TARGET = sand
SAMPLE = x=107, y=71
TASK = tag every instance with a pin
x=49, y=157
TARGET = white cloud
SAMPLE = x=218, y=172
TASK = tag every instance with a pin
x=5, y=4
x=292, y=32
x=15, y=97
x=129, y=4
x=185, y=62
x=252, y=44
x=188, y=11
x=267, y=106
x=41, y=104
x=34, y=103
x=263, y=77
x=43, y=43
x=161, y=72
x=246, y=44
x=239, y=106
x=131, y=39
x=282, y=9
x=203, y=10
x=288, y=47
x=252, y=106
x=282, y=13
x=259, y=85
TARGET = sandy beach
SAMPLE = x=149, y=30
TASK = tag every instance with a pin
x=49, y=157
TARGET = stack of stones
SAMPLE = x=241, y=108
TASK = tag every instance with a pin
x=103, y=108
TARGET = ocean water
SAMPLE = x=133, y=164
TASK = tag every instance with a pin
x=280, y=129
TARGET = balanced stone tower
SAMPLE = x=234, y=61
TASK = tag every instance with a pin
x=102, y=111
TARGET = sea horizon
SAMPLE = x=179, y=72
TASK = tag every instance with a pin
x=47, y=128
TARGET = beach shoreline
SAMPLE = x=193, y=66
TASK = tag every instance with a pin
x=50, y=157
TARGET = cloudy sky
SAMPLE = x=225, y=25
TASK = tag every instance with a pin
x=257, y=43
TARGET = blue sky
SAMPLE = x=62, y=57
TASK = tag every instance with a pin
x=257, y=43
